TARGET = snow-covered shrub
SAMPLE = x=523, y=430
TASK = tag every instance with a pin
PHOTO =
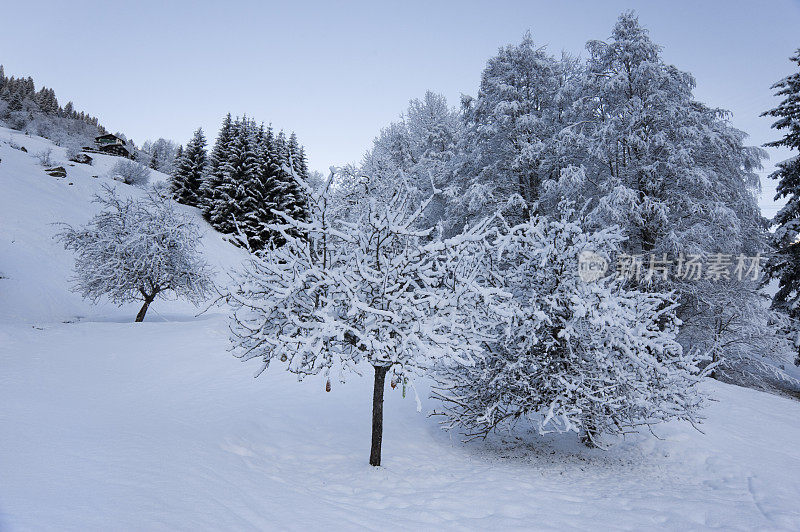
x=374, y=290
x=584, y=356
x=73, y=151
x=45, y=157
x=137, y=249
x=13, y=144
x=130, y=173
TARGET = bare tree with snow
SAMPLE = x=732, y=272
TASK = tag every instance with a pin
x=376, y=289
x=137, y=250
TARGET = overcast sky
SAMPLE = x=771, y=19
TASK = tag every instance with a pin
x=336, y=72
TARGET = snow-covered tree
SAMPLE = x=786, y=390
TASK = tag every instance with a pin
x=162, y=155
x=784, y=265
x=251, y=173
x=673, y=174
x=130, y=173
x=415, y=152
x=217, y=159
x=583, y=353
x=512, y=130
x=297, y=156
x=230, y=200
x=137, y=250
x=191, y=167
x=374, y=290
x=38, y=112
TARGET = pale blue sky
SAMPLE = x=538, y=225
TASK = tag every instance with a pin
x=336, y=72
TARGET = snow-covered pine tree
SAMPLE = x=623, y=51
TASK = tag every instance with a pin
x=282, y=150
x=231, y=199
x=137, y=250
x=340, y=294
x=219, y=154
x=256, y=212
x=285, y=191
x=784, y=264
x=296, y=156
x=271, y=185
x=216, y=162
x=581, y=355
x=190, y=171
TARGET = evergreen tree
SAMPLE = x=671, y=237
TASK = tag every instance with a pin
x=188, y=177
x=257, y=203
x=784, y=265
x=232, y=202
x=251, y=173
x=264, y=189
x=297, y=157
x=292, y=200
x=219, y=155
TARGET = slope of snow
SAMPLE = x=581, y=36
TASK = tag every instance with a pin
x=106, y=424
x=35, y=268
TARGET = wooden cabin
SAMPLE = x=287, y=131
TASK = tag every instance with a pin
x=112, y=145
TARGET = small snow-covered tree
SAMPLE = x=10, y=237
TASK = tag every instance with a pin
x=162, y=154
x=45, y=157
x=137, y=250
x=582, y=355
x=130, y=173
x=190, y=169
x=377, y=290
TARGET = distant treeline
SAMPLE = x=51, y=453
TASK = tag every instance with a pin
x=24, y=108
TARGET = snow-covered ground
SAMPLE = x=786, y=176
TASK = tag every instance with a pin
x=107, y=424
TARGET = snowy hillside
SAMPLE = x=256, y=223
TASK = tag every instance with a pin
x=107, y=424
x=34, y=266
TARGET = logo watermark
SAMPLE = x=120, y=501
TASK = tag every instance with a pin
x=591, y=266
x=690, y=267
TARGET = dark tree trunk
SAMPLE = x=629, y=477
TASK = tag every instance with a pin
x=143, y=310
x=377, y=415
x=589, y=436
